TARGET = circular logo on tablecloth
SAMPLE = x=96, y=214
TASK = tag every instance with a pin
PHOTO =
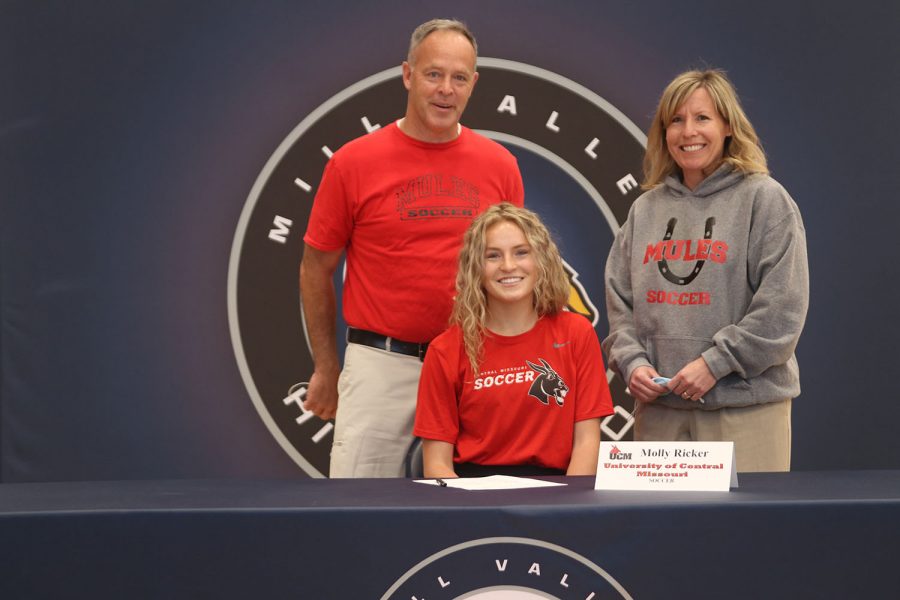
x=580, y=159
x=505, y=568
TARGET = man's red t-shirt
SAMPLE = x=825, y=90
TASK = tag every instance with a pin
x=400, y=207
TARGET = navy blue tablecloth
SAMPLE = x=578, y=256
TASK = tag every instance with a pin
x=790, y=535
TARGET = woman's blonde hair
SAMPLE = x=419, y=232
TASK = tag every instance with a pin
x=742, y=149
x=551, y=288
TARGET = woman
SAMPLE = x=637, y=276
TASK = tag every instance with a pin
x=707, y=282
x=516, y=385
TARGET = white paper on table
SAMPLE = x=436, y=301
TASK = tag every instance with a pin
x=492, y=482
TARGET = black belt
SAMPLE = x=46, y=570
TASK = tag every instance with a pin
x=383, y=342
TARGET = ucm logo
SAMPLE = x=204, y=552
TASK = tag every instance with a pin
x=580, y=159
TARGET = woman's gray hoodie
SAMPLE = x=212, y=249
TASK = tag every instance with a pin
x=719, y=272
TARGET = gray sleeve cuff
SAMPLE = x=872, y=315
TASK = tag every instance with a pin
x=637, y=362
x=717, y=362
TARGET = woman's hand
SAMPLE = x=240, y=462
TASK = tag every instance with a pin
x=642, y=386
x=693, y=380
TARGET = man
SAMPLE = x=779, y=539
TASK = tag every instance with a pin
x=398, y=201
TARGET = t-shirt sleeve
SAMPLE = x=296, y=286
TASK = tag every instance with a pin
x=594, y=398
x=437, y=408
x=517, y=192
x=331, y=219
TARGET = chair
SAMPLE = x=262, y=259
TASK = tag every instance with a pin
x=415, y=468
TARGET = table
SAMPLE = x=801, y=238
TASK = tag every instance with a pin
x=780, y=535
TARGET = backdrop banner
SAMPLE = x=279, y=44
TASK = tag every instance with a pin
x=158, y=163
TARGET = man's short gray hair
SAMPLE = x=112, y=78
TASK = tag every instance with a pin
x=425, y=29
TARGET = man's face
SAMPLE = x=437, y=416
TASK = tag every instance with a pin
x=440, y=80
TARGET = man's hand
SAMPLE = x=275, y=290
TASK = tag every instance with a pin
x=321, y=395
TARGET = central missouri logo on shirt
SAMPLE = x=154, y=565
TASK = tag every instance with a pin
x=548, y=384
x=580, y=159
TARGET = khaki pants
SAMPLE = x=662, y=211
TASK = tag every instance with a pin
x=376, y=408
x=761, y=433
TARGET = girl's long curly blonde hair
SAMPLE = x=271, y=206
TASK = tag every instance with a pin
x=551, y=289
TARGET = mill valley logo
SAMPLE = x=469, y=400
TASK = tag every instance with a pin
x=616, y=454
x=506, y=568
x=580, y=159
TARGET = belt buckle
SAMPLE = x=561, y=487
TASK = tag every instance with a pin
x=387, y=344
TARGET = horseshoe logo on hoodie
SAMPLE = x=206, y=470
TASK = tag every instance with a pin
x=663, y=263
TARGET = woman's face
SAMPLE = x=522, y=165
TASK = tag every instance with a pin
x=696, y=136
x=509, y=266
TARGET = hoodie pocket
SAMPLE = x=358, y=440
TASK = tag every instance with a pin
x=669, y=353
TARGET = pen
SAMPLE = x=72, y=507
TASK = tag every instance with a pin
x=440, y=482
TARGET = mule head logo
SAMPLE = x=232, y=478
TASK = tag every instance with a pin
x=548, y=384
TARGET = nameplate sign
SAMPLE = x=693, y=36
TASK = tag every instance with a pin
x=668, y=466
